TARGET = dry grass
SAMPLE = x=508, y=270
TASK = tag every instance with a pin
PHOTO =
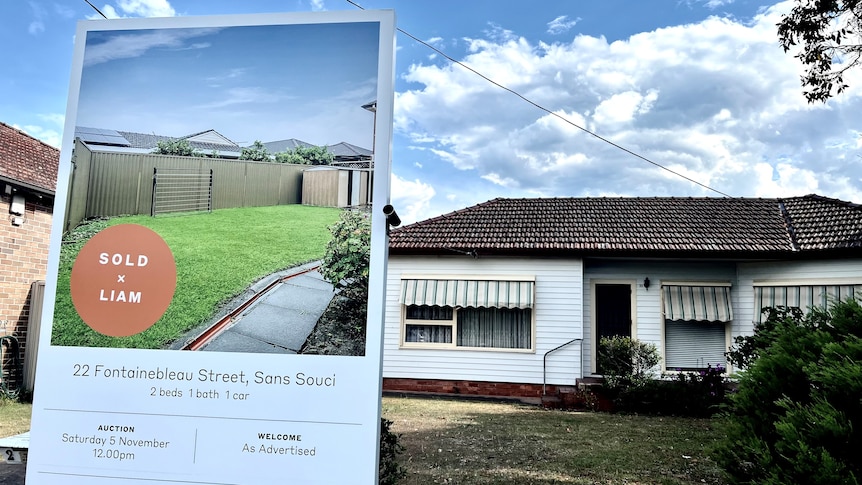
x=15, y=417
x=469, y=442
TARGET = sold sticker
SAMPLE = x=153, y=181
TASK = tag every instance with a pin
x=123, y=280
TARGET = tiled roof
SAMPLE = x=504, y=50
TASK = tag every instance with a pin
x=146, y=141
x=285, y=145
x=27, y=160
x=143, y=140
x=346, y=151
x=818, y=222
x=637, y=226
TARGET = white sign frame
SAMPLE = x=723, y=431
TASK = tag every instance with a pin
x=331, y=431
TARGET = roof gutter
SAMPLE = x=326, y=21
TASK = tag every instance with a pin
x=27, y=186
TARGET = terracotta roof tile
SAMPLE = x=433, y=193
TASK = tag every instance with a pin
x=27, y=160
x=706, y=226
x=818, y=222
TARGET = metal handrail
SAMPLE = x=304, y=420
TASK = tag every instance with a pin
x=545, y=361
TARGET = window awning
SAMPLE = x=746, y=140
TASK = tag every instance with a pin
x=697, y=303
x=803, y=297
x=467, y=293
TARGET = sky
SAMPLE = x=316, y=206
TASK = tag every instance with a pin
x=700, y=87
x=249, y=83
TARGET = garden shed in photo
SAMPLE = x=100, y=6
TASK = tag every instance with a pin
x=512, y=295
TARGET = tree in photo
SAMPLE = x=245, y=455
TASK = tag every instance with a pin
x=256, y=153
x=179, y=147
x=302, y=155
x=796, y=415
x=829, y=34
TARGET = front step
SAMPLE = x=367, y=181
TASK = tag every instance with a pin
x=566, y=397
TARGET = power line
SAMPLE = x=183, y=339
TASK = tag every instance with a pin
x=546, y=110
x=96, y=9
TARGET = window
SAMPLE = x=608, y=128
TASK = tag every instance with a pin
x=429, y=324
x=696, y=321
x=799, y=296
x=494, y=314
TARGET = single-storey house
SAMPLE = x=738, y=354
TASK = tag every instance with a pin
x=28, y=176
x=512, y=295
x=207, y=142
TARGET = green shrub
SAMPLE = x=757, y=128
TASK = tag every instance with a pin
x=389, y=470
x=348, y=254
x=693, y=394
x=306, y=156
x=796, y=415
x=178, y=147
x=626, y=362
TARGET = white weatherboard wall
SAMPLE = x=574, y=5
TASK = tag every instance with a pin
x=824, y=272
x=558, y=314
x=649, y=325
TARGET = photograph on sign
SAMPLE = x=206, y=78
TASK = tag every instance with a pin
x=243, y=148
x=215, y=292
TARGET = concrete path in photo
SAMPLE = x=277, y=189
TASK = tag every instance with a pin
x=281, y=320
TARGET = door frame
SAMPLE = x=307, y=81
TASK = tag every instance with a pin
x=594, y=343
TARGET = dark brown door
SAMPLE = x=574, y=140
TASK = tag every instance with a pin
x=613, y=311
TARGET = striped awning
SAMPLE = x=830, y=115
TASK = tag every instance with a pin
x=803, y=297
x=467, y=293
x=697, y=303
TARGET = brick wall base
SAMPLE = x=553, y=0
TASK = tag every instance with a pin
x=469, y=388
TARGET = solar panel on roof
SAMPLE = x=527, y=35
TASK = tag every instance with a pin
x=101, y=136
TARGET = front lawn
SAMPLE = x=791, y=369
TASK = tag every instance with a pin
x=14, y=417
x=476, y=442
x=218, y=255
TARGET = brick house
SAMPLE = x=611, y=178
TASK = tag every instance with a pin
x=28, y=177
x=511, y=296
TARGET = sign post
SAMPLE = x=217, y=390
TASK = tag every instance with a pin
x=124, y=411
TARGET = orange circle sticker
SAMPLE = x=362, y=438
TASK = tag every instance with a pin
x=123, y=280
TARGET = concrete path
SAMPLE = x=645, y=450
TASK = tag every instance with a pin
x=281, y=320
x=13, y=474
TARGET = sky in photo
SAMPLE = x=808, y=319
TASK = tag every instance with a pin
x=700, y=87
x=249, y=83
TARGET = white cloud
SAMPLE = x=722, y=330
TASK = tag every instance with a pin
x=64, y=11
x=47, y=135
x=411, y=199
x=623, y=107
x=135, y=44
x=717, y=100
x=37, y=25
x=713, y=4
x=136, y=8
x=317, y=6
x=147, y=8
x=57, y=118
x=245, y=95
x=561, y=24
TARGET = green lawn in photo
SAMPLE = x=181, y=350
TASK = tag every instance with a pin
x=218, y=255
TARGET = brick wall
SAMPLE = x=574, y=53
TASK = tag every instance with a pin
x=470, y=388
x=23, y=260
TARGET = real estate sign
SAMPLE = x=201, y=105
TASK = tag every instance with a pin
x=170, y=350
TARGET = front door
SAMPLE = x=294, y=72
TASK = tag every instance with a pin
x=613, y=311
